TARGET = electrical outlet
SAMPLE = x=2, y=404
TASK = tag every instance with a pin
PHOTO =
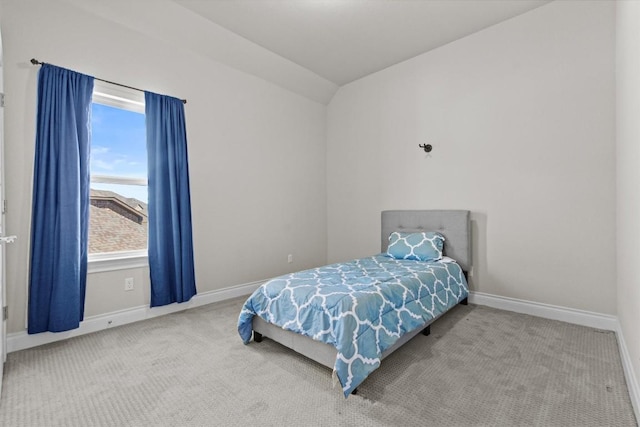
x=128, y=284
x=290, y=258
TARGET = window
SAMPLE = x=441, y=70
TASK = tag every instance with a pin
x=118, y=199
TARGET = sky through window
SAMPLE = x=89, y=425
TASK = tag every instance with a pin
x=119, y=148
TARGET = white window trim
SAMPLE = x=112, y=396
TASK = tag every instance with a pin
x=98, y=263
x=132, y=100
x=119, y=97
x=124, y=180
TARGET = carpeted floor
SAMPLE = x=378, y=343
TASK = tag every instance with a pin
x=479, y=366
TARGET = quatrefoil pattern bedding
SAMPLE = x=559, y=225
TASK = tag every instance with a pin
x=417, y=246
x=361, y=307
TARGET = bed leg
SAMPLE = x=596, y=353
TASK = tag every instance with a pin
x=354, y=391
x=465, y=301
x=426, y=331
x=257, y=337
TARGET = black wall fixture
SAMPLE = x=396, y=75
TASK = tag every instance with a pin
x=427, y=147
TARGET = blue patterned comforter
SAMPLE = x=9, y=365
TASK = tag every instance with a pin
x=361, y=307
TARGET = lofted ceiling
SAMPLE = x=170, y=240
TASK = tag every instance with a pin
x=344, y=40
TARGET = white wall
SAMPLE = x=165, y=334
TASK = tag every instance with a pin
x=521, y=118
x=256, y=151
x=628, y=176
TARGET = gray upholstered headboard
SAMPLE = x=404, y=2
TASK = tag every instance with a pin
x=454, y=225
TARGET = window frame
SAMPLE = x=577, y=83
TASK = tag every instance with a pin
x=133, y=100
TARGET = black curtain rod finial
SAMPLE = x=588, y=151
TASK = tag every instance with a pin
x=36, y=62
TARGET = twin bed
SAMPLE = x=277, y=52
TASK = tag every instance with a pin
x=350, y=316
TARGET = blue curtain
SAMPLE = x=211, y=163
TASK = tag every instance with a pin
x=60, y=208
x=170, y=238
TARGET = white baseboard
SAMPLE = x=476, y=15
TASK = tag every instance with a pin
x=22, y=340
x=547, y=311
x=570, y=315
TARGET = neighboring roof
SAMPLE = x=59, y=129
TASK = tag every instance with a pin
x=130, y=202
x=116, y=223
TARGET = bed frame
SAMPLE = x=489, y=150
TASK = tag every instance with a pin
x=454, y=225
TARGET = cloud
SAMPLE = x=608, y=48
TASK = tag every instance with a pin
x=101, y=164
x=99, y=149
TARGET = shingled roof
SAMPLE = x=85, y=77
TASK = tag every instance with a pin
x=116, y=223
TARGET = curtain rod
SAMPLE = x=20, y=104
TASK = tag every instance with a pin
x=36, y=62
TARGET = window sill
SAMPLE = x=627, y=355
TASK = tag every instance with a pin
x=117, y=261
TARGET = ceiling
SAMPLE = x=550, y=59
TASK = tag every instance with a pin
x=344, y=40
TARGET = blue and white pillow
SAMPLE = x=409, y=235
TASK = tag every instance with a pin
x=425, y=246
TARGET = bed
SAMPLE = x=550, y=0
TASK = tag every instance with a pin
x=350, y=316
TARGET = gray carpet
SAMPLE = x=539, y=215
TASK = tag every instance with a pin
x=479, y=366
